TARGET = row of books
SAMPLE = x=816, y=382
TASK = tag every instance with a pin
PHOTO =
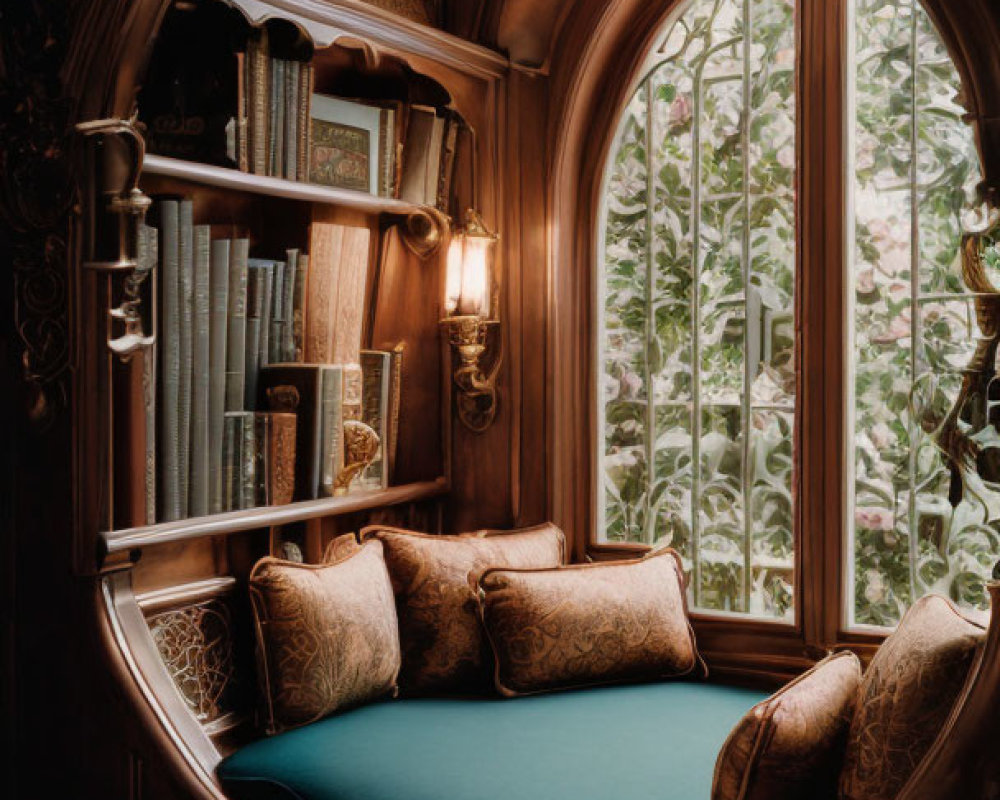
x=241, y=420
x=270, y=134
x=385, y=148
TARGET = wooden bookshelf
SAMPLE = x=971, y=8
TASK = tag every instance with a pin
x=112, y=543
x=224, y=178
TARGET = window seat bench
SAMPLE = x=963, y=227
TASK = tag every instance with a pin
x=636, y=742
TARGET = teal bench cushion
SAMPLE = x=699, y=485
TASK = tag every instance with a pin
x=649, y=742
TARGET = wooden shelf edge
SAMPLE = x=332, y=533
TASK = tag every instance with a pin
x=225, y=178
x=113, y=543
x=392, y=31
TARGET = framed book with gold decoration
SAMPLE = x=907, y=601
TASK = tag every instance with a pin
x=345, y=147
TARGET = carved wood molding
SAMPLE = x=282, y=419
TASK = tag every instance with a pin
x=36, y=195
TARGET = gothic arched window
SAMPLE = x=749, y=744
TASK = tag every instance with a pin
x=697, y=299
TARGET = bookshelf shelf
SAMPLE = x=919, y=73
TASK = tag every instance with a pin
x=224, y=178
x=112, y=543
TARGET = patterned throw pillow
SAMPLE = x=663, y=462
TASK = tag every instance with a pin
x=906, y=697
x=790, y=746
x=588, y=624
x=439, y=629
x=326, y=635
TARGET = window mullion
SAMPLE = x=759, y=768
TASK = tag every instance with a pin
x=747, y=366
x=650, y=522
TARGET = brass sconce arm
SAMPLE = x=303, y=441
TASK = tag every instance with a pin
x=476, y=401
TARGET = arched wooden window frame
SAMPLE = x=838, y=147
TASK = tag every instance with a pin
x=597, y=60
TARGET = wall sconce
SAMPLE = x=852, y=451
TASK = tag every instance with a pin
x=468, y=307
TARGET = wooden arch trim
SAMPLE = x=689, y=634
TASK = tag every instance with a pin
x=595, y=61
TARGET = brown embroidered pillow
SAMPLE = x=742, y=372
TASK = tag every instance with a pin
x=326, y=635
x=906, y=697
x=790, y=746
x=588, y=624
x=439, y=629
x=340, y=547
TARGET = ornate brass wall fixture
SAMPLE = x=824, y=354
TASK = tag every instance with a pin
x=468, y=301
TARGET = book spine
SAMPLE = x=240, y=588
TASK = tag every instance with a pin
x=281, y=455
x=262, y=458
x=447, y=165
x=218, y=331
x=169, y=342
x=231, y=461
x=292, y=69
x=302, y=127
x=256, y=283
x=299, y=309
x=417, y=148
x=387, y=149
x=248, y=461
x=326, y=245
x=348, y=313
x=148, y=256
x=276, y=145
x=186, y=271
x=287, y=347
x=432, y=164
x=271, y=349
x=242, y=126
x=375, y=369
x=237, y=325
x=392, y=429
x=331, y=429
x=259, y=102
x=274, y=272
x=200, y=372
x=353, y=391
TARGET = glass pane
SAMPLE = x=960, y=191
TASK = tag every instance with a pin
x=914, y=330
x=697, y=299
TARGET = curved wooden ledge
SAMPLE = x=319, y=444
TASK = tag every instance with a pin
x=129, y=540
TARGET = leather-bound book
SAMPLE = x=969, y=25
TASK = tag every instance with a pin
x=286, y=351
x=349, y=315
x=392, y=429
x=274, y=316
x=200, y=374
x=376, y=370
x=217, y=333
x=303, y=128
x=258, y=101
x=331, y=428
x=335, y=300
x=326, y=242
x=275, y=458
x=299, y=309
x=237, y=324
x=276, y=123
x=168, y=337
x=186, y=272
x=291, y=135
x=448, y=149
x=387, y=152
x=242, y=121
x=421, y=156
x=258, y=273
x=239, y=459
x=297, y=388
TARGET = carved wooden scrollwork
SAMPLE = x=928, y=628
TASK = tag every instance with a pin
x=36, y=195
x=196, y=645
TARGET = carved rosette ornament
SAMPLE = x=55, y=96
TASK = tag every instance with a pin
x=36, y=196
